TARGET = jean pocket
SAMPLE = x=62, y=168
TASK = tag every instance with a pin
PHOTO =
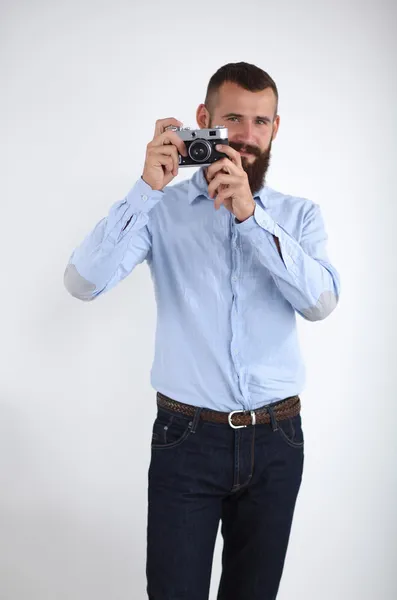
x=291, y=431
x=170, y=430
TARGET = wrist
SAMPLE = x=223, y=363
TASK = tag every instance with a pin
x=248, y=215
x=154, y=188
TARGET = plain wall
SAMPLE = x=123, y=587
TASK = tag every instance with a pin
x=82, y=84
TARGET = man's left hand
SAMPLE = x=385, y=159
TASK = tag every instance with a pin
x=230, y=182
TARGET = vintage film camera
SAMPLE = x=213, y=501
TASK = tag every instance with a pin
x=200, y=145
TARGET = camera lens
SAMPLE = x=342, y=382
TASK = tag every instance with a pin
x=199, y=150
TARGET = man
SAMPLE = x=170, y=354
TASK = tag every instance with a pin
x=227, y=441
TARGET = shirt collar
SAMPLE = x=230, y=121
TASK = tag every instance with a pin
x=198, y=188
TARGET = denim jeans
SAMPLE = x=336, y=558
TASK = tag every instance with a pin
x=202, y=473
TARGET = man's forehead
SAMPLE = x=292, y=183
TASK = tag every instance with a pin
x=235, y=99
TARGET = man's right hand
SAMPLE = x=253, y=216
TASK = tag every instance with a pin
x=162, y=162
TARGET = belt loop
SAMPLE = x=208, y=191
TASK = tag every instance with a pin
x=196, y=418
x=272, y=418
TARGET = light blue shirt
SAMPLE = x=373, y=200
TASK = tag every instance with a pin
x=227, y=302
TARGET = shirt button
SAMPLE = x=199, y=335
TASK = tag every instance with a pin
x=234, y=278
x=144, y=197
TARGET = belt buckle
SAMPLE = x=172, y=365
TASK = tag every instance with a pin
x=229, y=418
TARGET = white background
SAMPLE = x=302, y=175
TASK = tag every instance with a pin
x=82, y=84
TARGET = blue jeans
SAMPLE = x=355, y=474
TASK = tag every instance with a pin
x=202, y=473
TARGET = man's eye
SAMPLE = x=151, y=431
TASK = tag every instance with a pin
x=231, y=118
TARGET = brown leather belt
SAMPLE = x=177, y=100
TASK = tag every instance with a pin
x=283, y=409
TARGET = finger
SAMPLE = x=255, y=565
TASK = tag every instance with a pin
x=224, y=165
x=215, y=167
x=170, y=137
x=231, y=153
x=169, y=165
x=218, y=201
x=229, y=180
x=222, y=197
x=215, y=183
x=173, y=152
x=161, y=124
x=170, y=151
x=164, y=160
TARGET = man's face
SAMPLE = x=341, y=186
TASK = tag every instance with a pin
x=252, y=125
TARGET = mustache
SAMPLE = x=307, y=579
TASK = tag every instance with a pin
x=251, y=149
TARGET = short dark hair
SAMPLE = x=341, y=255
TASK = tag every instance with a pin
x=249, y=77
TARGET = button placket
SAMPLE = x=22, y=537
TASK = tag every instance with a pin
x=234, y=279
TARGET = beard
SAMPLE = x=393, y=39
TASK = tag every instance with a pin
x=256, y=170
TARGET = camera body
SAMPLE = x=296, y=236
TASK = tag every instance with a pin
x=200, y=145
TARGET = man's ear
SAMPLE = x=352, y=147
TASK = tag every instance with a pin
x=275, y=127
x=202, y=116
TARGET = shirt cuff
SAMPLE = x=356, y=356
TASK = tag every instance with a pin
x=261, y=218
x=142, y=198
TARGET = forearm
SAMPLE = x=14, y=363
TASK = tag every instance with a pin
x=310, y=283
x=114, y=247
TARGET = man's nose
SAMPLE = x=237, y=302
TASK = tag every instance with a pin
x=246, y=134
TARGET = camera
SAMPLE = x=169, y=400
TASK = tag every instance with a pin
x=200, y=145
